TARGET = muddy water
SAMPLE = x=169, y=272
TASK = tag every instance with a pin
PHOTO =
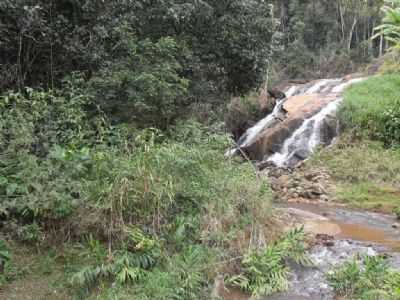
x=368, y=227
x=355, y=233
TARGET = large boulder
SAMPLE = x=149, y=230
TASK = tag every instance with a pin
x=297, y=109
x=304, y=119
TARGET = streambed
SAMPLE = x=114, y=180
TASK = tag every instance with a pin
x=351, y=233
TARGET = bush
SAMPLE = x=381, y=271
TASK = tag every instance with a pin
x=372, y=109
x=145, y=85
x=243, y=112
x=265, y=271
x=38, y=176
x=370, y=279
x=5, y=259
x=65, y=168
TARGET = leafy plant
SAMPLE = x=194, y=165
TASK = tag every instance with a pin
x=390, y=133
x=265, y=271
x=370, y=279
x=390, y=28
x=5, y=258
x=129, y=264
x=397, y=212
x=31, y=233
x=5, y=255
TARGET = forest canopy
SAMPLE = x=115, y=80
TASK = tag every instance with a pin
x=146, y=58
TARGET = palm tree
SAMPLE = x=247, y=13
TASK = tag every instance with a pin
x=390, y=29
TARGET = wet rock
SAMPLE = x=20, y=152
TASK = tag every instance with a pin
x=329, y=130
x=298, y=111
x=324, y=198
x=325, y=240
x=264, y=165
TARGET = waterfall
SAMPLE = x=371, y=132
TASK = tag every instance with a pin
x=252, y=132
x=264, y=123
x=279, y=136
x=305, y=139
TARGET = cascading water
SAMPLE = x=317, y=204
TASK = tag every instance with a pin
x=271, y=136
x=264, y=123
x=304, y=140
x=307, y=137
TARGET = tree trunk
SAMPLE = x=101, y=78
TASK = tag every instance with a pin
x=351, y=34
x=342, y=20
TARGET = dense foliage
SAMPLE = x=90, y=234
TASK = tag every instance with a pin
x=370, y=279
x=146, y=58
x=144, y=198
x=265, y=271
x=143, y=56
x=324, y=38
x=390, y=28
x=99, y=153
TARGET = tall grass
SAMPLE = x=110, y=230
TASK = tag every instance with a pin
x=372, y=108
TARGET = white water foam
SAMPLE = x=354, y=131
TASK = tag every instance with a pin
x=308, y=136
x=252, y=132
x=340, y=88
x=301, y=137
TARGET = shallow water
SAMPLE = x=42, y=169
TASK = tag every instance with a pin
x=369, y=227
x=355, y=233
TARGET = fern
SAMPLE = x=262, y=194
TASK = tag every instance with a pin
x=127, y=265
x=370, y=279
x=265, y=272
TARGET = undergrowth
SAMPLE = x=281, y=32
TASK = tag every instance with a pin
x=372, y=109
x=146, y=206
x=265, y=271
x=371, y=278
x=366, y=174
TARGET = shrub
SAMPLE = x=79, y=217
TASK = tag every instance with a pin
x=4, y=255
x=143, y=187
x=243, y=112
x=372, y=279
x=265, y=271
x=145, y=85
x=5, y=258
x=42, y=148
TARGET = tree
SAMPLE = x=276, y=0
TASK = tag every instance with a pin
x=390, y=29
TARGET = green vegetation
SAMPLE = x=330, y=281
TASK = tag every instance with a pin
x=372, y=109
x=390, y=28
x=140, y=201
x=265, y=271
x=370, y=279
x=364, y=164
x=366, y=174
x=396, y=211
x=5, y=258
x=104, y=150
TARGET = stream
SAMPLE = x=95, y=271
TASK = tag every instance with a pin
x=289, y=134
x=350, y=233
